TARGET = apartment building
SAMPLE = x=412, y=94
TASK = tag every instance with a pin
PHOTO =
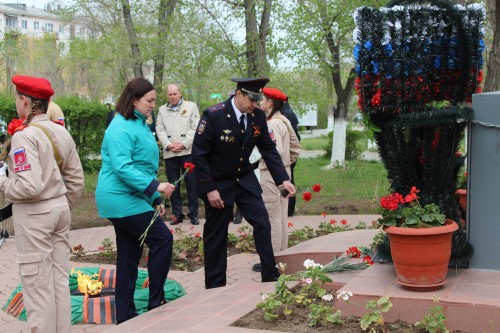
x=35, y=22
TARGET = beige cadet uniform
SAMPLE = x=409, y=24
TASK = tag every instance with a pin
x=288, y=146
x=42, y=196
x=54, y=112
x=178, y=125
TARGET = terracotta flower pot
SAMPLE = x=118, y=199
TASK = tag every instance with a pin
x=462, y=198
x=421, y=255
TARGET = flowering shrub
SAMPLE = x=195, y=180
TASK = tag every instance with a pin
x=406, y=211
x=309, y=288
x=79, y=251
x=187, y=247
x=106, y=249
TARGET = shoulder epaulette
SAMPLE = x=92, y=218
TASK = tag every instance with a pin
x=217, y=107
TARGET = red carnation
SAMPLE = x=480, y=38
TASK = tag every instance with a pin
x=316, y=188
x=189, y=167
x=306, y=196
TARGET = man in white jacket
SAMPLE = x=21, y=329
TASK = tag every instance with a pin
x=176, y=125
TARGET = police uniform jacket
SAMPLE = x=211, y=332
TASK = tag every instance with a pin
x=33, y=171
x=287, y=143
x=221, y=153
x=177, y=125
x=127, y=183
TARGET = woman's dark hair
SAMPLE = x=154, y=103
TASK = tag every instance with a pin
x=134, y=90
x=277, y=106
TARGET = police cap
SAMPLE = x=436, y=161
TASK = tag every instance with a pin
x=273, y=93
x=251, y=86
x=34, y=87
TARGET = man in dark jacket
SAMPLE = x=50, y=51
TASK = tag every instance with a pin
x=224, y=140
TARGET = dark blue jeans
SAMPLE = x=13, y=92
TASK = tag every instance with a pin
x=159, y=239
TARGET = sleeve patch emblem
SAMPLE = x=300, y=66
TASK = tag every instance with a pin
x=20, y=156
x=20, y=160
x=201, y=127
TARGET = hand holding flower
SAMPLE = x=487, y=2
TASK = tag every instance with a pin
x=167, y=189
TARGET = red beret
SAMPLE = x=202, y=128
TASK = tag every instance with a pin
x=273, y=93
x=34, y=87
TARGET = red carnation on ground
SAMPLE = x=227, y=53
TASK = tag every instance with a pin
x=290, y=224
x=306, y=196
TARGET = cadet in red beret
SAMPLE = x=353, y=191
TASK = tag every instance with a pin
x=287, y=143
x=45, y=179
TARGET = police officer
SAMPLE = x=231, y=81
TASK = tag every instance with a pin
x=42, y=193
x=177, y=121
x=224, y=140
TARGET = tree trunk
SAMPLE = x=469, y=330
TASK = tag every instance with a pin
x=492, y=81
x=344, y=95
x=256, y=38
x=339, y=142
x=166, y=10
x=134, y=43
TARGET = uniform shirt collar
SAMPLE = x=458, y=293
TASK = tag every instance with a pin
x=237, y=112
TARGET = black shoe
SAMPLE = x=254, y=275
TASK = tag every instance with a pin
x=177, y=220
x=195, y=221
x=257, y=267
x=237, y=219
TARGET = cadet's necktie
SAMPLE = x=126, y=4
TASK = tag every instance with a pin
x=242, y=123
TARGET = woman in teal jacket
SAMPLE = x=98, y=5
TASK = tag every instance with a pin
x=128, y=195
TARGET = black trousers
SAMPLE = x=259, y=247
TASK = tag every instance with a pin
x=159, y=239
x=174, y=167
x=291, y=200
x=215, y=231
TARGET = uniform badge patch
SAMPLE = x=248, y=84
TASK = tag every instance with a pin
x=201, y=127
x=19, y=156
x=20, y=160
x=271, y=134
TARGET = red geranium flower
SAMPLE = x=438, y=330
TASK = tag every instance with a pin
x=332, y=221
x=306, y=196
x=316, y=188
x=343, y=221
x=290, y=224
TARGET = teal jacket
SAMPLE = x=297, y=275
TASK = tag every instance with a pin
x=127, y=181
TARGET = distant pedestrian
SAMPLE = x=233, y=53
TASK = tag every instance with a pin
x=224, y=140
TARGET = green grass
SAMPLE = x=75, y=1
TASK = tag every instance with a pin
x=314, y=143
x=355, y=189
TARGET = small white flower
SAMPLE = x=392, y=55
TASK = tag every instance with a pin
x=344, y=295
x=327, y=297
x=308, y=263
x=264, y=297
x=281, y=266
